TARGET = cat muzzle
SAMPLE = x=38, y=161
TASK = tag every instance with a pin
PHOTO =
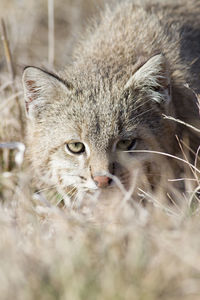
x=102, y=181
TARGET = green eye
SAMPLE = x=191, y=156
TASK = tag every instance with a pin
x=76, y=147
x=125, y=145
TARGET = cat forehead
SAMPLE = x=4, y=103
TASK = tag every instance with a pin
x=104, y=109
x=93, y=121
x=98, y=124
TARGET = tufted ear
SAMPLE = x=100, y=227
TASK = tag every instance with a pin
x=41, y=88
x=153, y=77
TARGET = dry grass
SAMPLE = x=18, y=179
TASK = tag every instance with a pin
x=102, y=251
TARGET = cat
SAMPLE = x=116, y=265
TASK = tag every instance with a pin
x=92, y=127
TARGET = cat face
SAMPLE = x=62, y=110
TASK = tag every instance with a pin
x=91, y=138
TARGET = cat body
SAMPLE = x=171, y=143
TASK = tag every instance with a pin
x=96, y=122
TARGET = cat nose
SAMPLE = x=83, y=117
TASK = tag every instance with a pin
x=102, y=181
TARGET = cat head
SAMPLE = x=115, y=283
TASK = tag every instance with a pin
x=82, y=135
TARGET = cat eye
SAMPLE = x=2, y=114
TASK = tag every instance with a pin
x=125, y=145
x=75, y=147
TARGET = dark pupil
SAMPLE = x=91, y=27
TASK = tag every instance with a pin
x=79, y=147
x=129, y=144
x=76, y=147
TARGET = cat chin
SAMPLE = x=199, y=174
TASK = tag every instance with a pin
x=92, y=197
x=102, y=197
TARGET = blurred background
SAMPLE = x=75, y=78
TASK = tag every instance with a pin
x=29, y=24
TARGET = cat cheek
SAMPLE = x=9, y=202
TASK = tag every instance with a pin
x=81, y=162
x=90, y=184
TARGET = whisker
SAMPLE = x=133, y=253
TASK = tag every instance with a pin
x=167, y=155
x=51, y=187
x=46, y=189
x=140, y=105
x=76, y=201
x=181, y=179
x=68, y=197
x=69, y=193
x=144, y=112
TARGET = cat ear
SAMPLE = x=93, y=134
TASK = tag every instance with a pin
x=41, y=88
x=153, y=77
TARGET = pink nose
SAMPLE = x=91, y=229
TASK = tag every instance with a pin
x=102, y=181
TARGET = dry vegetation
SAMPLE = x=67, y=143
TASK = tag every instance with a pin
x=115, y=251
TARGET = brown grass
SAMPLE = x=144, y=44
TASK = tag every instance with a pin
x=103, y=250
